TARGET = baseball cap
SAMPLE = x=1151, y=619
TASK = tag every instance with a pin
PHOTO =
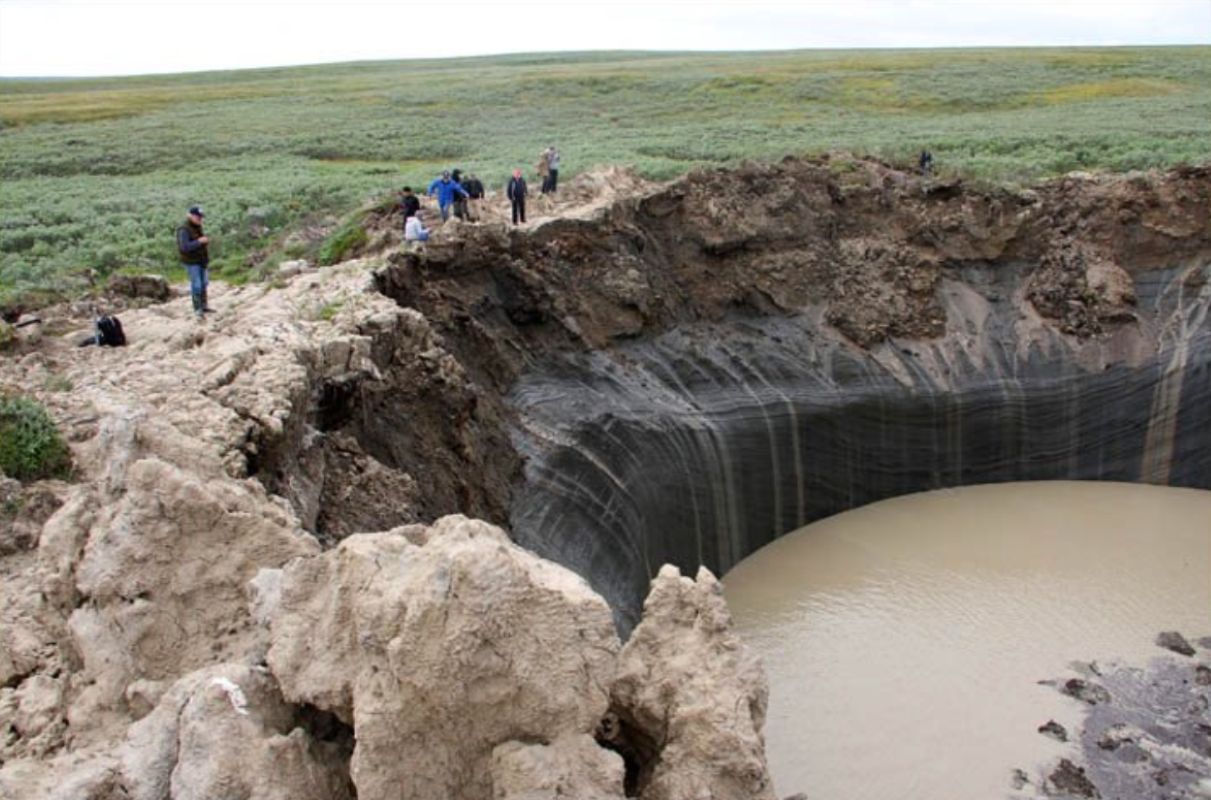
x=196, y=211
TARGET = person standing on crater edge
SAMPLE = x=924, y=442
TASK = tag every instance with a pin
x=543, y=168
x=475, y=190
x=410, y=203
x=552, y=169
x=516, y=192
x=194, y=247
x=444, y=188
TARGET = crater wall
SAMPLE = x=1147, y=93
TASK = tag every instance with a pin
x=705, y=444
x=700, y=367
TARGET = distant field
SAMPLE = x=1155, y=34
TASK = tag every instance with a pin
x=95, y=174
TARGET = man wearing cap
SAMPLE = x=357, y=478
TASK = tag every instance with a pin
x=195, y=255
x=445, y=189
x=516, y=192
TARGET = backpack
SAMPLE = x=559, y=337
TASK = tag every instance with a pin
x=109, y=332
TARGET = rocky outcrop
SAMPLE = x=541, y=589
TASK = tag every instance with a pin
x=223, y=731
x=690, y=699
x=150, y=287
x=570, y=768
x=437, y=645
x=141, y=574
x=161, y=579
x=226, y=731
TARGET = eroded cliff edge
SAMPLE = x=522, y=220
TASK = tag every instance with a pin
x=703, y=366
x=671, y=373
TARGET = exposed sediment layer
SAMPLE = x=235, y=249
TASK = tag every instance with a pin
x=706, y=444
x=724, y=359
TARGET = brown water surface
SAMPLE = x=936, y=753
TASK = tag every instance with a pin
x=903, y=641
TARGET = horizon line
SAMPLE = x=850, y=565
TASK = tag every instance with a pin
x=556, y=54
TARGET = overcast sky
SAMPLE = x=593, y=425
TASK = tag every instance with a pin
x=122, y=37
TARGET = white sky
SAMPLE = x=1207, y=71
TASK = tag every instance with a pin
x=121, y=37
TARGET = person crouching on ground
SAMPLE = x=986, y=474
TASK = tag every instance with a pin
x=193, y=245
x=516, y=192
x=415, y=230
x=445, y=188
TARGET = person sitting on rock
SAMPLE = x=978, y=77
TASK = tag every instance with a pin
x=415, y=230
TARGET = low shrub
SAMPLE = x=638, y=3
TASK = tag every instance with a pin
x=30, y=445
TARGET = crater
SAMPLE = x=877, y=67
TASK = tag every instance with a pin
x=696, y=369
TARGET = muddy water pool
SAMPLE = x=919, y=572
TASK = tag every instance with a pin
x=904, y=641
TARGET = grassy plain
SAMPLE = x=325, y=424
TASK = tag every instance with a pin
x=95, y=174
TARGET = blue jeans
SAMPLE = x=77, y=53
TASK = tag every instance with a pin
x=198, y=279
x=445, y=211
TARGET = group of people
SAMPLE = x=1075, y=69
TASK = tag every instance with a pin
x=455, y=193
x=464, y=195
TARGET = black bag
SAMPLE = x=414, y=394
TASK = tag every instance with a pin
x=109, y=332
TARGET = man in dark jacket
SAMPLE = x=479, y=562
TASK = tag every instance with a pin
x=475, y=191
x=410, y=203
x=516, y=192
x=460, y=200
x=193, y=245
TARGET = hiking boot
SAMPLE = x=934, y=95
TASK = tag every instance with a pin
x=205, y=305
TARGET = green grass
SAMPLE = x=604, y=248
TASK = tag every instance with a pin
x=95, y=174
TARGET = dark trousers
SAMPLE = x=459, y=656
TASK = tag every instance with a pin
x=519, y=209
x=553, y=180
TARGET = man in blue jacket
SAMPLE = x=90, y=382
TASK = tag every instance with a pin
x=195, y=255
x=445, y=188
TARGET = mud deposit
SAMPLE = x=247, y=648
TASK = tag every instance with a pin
x=904, y=641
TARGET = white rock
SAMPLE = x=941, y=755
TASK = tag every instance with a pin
x=437, y=653
x=694, y=696
x=570, y=768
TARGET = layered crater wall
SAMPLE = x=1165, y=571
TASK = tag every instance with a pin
x=705, y=444
x=696, y=369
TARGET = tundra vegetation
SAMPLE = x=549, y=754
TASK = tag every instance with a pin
x=95, y=174
x=30, y=444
